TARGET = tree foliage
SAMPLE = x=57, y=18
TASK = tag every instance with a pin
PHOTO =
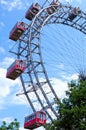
x=72, y=109
x=14, y=125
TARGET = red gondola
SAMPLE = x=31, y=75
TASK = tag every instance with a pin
x=54, y=5
x=16, y=69
x=17, y=30
x=74, y=13
x=32, y=11
x=35, y=120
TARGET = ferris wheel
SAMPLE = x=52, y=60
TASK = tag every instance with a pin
x=36, y=82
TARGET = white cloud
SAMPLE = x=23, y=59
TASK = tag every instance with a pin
x=4, y=88
x=2, y=51
x=18, y=100
x=69, y=78
x=59, y=86
x=6, y=62
x=9, y=88
x=15, y=4
x=6, y=85
x=1, y=24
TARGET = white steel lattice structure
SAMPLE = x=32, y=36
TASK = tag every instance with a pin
x=29, y=49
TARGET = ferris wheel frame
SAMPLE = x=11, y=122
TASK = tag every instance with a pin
x=29, y=48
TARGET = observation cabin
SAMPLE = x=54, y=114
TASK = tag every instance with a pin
x=35, y=120
x=16, y=69
x=32, y=11
x=74, y=13
x=17, y=31
x=53, y=6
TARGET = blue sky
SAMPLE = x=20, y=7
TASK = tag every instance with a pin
x=12, y=11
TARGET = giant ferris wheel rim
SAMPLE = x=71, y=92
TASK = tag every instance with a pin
x=60, y=16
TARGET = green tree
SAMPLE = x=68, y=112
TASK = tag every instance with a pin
x=14, y=125
x=72, y=109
